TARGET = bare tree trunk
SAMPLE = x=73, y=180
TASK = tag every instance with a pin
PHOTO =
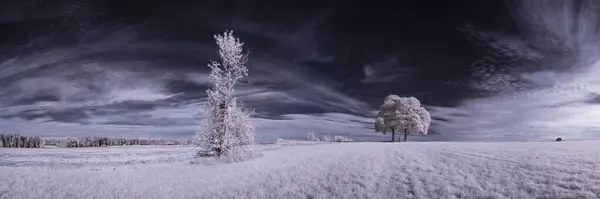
x=393, y=135
x=405, y=134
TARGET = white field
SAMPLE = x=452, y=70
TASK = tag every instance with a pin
x=301, y=170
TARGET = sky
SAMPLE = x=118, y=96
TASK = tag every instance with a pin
x=486, y=71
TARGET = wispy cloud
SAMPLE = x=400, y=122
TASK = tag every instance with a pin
x=122, y=85
x=541, y=80
x=390, y=69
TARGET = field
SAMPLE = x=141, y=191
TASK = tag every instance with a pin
x=309, y=170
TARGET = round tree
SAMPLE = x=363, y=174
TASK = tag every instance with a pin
x=402, y=113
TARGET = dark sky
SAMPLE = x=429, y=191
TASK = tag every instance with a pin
x=138, y=67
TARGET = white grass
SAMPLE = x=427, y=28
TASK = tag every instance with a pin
x=310, y=170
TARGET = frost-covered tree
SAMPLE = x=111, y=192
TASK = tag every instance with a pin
x=402, y=113
x=425, y=119
x=13, y=140
x=339, y=138
x=312, y=137
x=226, y=127
x=325, y=138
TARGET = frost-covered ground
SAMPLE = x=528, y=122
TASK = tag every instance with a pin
x=310, y=170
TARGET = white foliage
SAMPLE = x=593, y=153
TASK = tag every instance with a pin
x=14, y=140
x=312, y=137
x=339, y=138
x=71, y=142
x=226, y=128
x=402, y=113
x=325, y=138
x=425, y=119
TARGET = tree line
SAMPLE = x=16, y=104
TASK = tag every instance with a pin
x=13, y=140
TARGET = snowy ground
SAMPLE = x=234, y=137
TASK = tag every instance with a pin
x=308, y=170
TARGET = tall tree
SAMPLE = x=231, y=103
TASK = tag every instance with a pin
x=226, y=127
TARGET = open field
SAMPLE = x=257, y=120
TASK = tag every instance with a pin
x=309, y=170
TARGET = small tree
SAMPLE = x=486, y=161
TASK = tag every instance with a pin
x=402, y=113
x=312, y=137
x=325, y=138
x=226, y=127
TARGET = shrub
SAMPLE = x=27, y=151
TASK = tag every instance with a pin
x=325, y=138
x=312, y=137
x=339, y=138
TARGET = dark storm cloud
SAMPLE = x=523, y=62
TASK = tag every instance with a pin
x=144, y=78
x=138, y=68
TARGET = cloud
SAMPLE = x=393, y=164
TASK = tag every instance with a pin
x=304, y=86
x=22, y=11
x=541, y=81
x=297, y=41
x=60, y=129
x=291, y=127
x=528, y=116
x=388, y=70
x=556, y=37
x=121, y=85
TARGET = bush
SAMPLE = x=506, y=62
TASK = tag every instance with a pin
x=325, y=138
x=312, y=137
x=339, y=138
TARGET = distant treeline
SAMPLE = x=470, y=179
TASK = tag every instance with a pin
x=14, y=140
x=20, y=141
x=105, y=141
